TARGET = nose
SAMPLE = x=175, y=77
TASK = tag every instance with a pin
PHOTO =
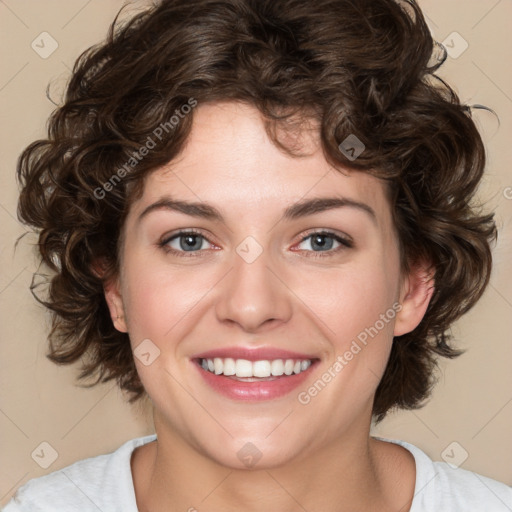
x=253, y=295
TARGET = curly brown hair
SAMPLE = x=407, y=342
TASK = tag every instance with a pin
x=360, y=67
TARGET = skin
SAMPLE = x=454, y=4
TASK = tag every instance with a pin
x=318, y=456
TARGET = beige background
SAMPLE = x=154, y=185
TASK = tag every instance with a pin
x=472, y=403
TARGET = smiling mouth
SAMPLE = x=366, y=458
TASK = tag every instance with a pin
x=244, y=370
x=254, y=380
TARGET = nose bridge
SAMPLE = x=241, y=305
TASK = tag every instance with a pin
x=252, y=295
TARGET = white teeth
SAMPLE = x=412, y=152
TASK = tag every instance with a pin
x=218, y=366
x=288, y=367
x=263, y=368
x=277, y=367
x=229, y=366
x=243, y=368
x=304, y=365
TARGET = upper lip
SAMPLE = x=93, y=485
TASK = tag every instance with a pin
x=252, y=354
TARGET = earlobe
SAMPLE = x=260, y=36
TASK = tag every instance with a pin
x=415, y=296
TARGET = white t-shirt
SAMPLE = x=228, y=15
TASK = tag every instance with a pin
x=104, y=484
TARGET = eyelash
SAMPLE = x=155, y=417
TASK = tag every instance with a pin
x=345, y=243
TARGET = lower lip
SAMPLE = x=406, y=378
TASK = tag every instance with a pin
x=254, y=391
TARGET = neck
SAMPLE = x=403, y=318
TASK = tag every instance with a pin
x=354, y=472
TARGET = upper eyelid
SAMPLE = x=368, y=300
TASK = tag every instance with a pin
x=328, y=232
x=168, y=237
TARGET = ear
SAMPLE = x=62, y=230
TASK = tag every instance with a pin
x=113, y=296
x=115, y=304
x=416, y=292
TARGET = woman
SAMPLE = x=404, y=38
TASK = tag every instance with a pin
x=258, y=214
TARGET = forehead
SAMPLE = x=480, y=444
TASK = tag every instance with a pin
x=230, y=161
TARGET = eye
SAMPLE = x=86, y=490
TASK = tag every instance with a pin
x=324, y=241
x=189, y=241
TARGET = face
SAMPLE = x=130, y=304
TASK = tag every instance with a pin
x=299, y=302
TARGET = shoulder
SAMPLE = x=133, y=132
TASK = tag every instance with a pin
x=441, y=486
x=97, y=483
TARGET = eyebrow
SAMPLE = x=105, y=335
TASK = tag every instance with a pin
x=300, y=209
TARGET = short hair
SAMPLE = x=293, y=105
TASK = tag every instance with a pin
x=363, y=68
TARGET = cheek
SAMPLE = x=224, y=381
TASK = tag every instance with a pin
x=357, y=303
x=158, y=298
x=351, y=299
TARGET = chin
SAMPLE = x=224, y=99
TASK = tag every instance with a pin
x=253, y=454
